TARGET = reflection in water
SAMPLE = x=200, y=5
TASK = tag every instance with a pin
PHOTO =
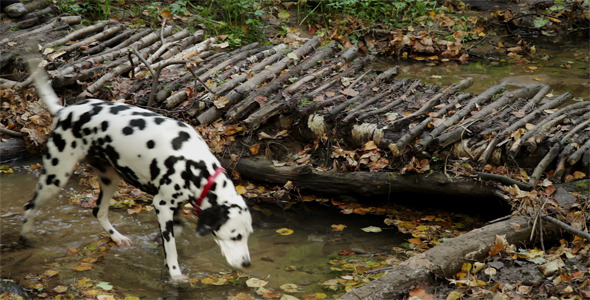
x=66, y=233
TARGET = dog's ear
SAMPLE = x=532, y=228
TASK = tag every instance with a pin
x=211, y=219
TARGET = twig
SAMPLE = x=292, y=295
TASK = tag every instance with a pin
x=11, y=132
x=505, y=180
x=567, y=227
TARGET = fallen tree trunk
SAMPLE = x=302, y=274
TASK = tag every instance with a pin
x=356, y=183
x=445, y=259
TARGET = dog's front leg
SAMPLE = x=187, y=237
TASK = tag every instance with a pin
x=165, y=214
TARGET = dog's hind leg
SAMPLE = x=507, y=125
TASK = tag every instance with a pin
x=54, y=176
x=109, y=182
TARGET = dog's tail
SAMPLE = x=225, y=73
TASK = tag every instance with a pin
x=44, y=89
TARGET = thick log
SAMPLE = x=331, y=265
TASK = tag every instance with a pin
x=364, y=184
x=445, y=259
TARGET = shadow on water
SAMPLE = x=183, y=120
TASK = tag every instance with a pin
x=301, y=258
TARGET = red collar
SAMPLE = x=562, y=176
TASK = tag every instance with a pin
x=210, y=182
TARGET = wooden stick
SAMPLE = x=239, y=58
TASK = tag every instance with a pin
x=567, y=227
x=488, y=94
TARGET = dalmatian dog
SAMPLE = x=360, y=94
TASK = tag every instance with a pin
x=161, y=156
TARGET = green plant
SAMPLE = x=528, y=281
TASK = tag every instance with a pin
x=95, y=9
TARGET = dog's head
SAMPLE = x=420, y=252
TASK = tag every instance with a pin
x=230, y=224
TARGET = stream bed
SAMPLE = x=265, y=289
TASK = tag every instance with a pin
x=66, y=234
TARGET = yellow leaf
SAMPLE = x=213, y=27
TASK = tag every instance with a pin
x=370, y=145
x=254, y=149
x=284, y=231
x=221, y=102
x=454, y=295
x=60, y=289
x=83, y=267
x=338, y=227
x=314, y=296
x=50, y=273
x=579, y=175
x=241, y=189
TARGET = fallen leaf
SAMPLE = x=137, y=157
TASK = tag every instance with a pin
x=82, y=267
x=290, y=288
x=104, y=285
x=284, y=231
x=50, y=273
x=373, y=229
x=349, y=92
x=60, y=289
x=420, y=294
x=255, y=282
x=241, y=189
x=338, y=227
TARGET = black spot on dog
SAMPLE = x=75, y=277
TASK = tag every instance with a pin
x=154, y=170
x=104, y=125
x=176, y=187
x=139, y=123
x=50, y=179
x=118, y=108
x=181, y=124
x=108, y=138
x=86, y=131
x=84, y=118
x=106, y=181
x=189, y=176
x=127, y=130
x=182, y=137
x=54, y=161
x=169, y=164
x=159, y=120
x=31, y=204
x=151, y=144
x=224, y=184
x=95, y=211
x=144, y=113
x=66, y=123
x=59, y=142
x=211, y=219
x=74, y=144
x=237, y=238
x=111, y=231
x=169, y=231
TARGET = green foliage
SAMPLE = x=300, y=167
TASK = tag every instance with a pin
x=94, y=9
x=392, y=13
x=238, y=19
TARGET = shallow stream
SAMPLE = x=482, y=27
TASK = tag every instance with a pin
x=301, y=258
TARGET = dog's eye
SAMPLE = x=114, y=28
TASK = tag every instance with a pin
x=237, y=238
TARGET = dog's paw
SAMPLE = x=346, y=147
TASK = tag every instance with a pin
x=178, y=279
x=121, y=240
